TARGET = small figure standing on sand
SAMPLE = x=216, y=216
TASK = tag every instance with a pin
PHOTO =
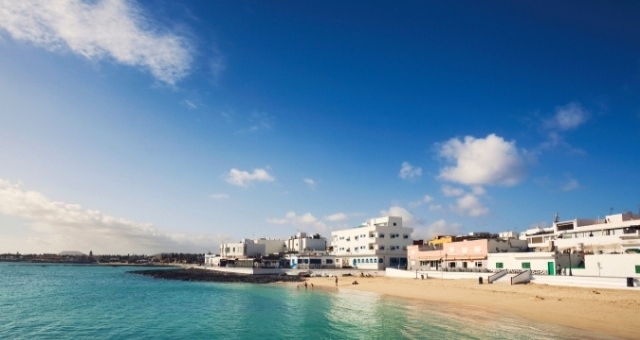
x=311, y=285
x=336, y=280
x=305, y=285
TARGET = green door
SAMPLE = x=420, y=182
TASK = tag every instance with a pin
x=551, y=268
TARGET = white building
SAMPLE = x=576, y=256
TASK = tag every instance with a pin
x=376, y=244
x=252, y=248
x=614, y=234
x=301, y=243
x=311, y=261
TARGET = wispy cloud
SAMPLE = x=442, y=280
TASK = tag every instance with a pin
x=567, y=117
x=304, y=222
x=341, y=217
x=422, y=229
x=407, y=171
x=423, y=200
x=115, y=30
x=469, y=204
x=61, y=226
x=570, y=185
x=244, y=178
x=310, y=182
x=449, y=191
x=481, y=161
x=258, y=121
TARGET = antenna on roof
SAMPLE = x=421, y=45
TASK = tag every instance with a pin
x=611, y=211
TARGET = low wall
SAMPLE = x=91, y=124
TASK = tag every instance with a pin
x=313, y=272
x=430, y=274
x=496, y=276
x=248, y=271
x=524, y=277
x=586, y=281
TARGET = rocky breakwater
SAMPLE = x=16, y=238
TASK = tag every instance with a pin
x=203, y=275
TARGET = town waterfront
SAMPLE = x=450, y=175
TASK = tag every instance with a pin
x=103, y=302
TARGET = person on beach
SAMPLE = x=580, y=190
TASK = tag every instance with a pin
x=336, y=280
x=305, y=285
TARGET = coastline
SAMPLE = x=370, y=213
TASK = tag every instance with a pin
x=607, y=311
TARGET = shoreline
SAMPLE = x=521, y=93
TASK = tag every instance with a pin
x=607, y=311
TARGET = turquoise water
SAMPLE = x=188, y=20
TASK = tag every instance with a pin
x=103, y=302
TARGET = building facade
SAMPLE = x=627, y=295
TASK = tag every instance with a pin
x=463, y=255
x=376, y=244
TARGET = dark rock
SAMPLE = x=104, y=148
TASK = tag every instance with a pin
x=204, y=275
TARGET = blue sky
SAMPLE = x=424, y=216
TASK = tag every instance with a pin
x=138, y=127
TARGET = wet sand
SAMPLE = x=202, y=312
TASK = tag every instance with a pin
x=609, y=311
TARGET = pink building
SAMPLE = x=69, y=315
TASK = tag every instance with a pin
x=460, y=256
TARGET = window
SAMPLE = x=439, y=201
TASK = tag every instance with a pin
x=526, y=265
x=394, y=224
x=381, y=247
x=637, y=269
x=478, y=264
x=381, y=235
x=380, y=260
x=366, y=261
x=405, y=236
x=329, y=261
x=499, y=265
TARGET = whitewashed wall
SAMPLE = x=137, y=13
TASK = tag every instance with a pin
x=610, y=265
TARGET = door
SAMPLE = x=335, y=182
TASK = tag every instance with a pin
x=551, y=268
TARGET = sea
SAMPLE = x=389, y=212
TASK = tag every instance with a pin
x=61, y=301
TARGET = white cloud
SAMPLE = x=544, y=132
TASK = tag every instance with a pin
x=244, y=178
x=481, y=161
x=570, y=185
x=440, y=227
x=310, y=182
x=435, y=207
x=451, y=191
x=259, y=121
x=304, y=222
x=408, y=219
x=470, y=205
x=425, y=199
x=407, y=171
x=56, y=226
x=567, y=117
x=189, y=104
x=337, y=217
x=219, y=196
x=115, y=30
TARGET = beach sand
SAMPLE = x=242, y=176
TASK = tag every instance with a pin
x=609, y=311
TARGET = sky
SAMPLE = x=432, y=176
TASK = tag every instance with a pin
x=172, y=126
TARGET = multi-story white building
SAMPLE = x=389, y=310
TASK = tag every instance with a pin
x=301, y=243
x=376, y=244
x=614, y=234
x=252, y=248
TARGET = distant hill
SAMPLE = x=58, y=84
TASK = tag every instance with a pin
x=71, y=253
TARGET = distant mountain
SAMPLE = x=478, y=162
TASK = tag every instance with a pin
x=71, y=253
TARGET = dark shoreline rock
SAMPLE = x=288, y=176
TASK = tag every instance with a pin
x=203, y=275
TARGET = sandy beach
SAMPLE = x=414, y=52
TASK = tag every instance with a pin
x=610, y=311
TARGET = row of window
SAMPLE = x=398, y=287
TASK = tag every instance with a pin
x=525, y=265
x=371, y=248
x=380, y=235
x=368, y=261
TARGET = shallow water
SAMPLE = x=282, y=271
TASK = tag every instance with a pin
x=103, y=302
